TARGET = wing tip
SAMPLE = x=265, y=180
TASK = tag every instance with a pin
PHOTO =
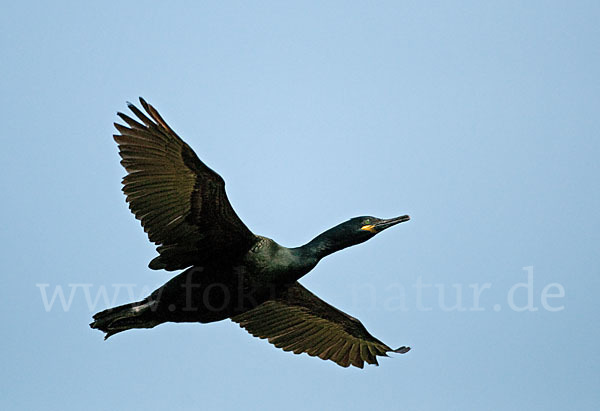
x=122, y=116
x=401, y=350
x=142, y=102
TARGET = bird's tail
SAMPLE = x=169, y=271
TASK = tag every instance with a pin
x=124, y=317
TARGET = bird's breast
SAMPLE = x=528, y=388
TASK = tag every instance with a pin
x=272, y=263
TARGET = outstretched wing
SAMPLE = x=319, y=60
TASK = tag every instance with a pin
x=299, y=321
x=180, y=201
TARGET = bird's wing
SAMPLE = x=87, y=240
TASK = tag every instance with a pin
x=299, y=321
x=180, y=201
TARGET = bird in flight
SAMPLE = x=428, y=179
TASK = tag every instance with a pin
x=229, y=271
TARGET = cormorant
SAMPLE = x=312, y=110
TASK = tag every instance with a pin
x=230, y=272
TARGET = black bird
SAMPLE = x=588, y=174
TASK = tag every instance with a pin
x=230, y=272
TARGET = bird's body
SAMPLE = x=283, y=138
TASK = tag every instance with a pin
x=220, y=290
x=229, y=271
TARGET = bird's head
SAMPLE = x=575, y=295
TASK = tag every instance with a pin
x=366, y=227
x=374, y=225
x=355, y=231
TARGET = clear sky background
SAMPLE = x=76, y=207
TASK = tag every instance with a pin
x=479, y=119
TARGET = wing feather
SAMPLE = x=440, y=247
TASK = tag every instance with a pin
x=180, y=202
x=300, y=322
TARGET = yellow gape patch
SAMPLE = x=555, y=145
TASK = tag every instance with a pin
x=369, y=227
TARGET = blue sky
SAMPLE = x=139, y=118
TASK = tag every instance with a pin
x=479, y=120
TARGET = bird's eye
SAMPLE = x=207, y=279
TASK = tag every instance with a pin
x=367, y=221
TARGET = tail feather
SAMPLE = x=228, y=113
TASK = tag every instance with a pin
x=125, y=317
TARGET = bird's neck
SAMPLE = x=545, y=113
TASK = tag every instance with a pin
x=324, y=244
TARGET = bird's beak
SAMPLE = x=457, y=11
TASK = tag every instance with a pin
x=383, y=224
